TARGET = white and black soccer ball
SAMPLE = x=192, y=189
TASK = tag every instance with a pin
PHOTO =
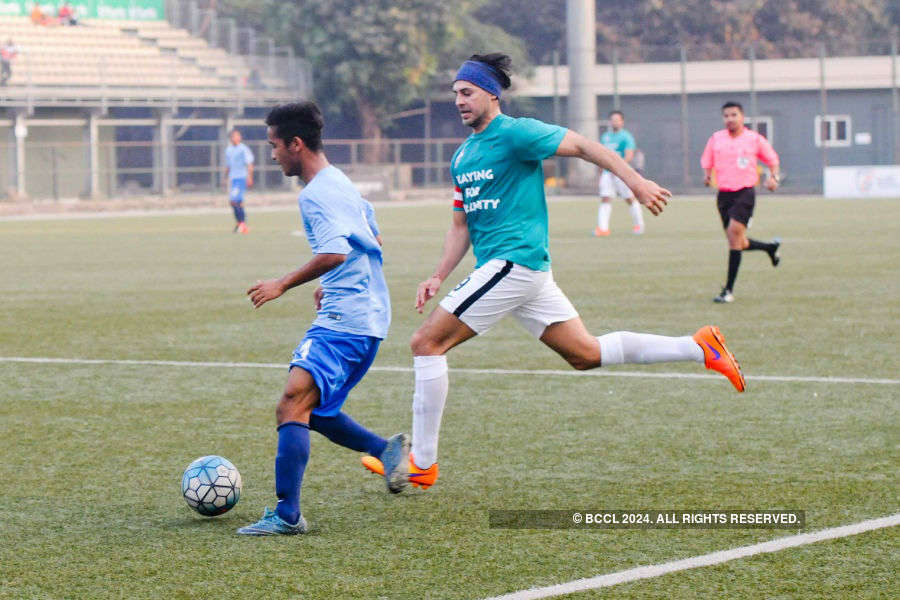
x=211, y=485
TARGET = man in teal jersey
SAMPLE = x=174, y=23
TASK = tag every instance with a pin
x=619, y=140
x=499, y=207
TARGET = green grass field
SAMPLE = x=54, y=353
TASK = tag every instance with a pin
x=90, y=503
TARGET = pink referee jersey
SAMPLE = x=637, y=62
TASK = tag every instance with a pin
x=734, y=158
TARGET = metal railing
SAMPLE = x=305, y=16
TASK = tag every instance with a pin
x=61, y=171
x=669, y=134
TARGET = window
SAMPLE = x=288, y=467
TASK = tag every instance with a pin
x=762, y=126
x=833, y=130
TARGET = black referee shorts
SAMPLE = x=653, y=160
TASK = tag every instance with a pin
x=737, y=205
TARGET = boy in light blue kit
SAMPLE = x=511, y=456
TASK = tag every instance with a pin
x=354, y=313
x=238, y=177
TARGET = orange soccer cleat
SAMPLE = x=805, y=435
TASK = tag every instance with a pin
x=423, y=478
x=718, y=357
x=600, y=232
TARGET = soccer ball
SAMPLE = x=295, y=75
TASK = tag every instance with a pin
x=211, y=485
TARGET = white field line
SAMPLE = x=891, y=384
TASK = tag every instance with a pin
x=547, y=372
x=714, y=558
x=288, y=206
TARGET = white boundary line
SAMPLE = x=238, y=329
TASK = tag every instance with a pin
x=548, y=372
x=440, y=199
x=714, y=558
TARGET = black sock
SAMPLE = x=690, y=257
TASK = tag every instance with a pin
x=757, y=245
x=734, y=262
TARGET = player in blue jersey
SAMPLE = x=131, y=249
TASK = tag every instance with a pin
x=619, y=140
x=500, y=210
x=354, y=312
x=238, y=177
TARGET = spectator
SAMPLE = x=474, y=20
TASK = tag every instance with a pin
x=37, y=15
x=254, y=80
x=8, y=53
x=66, y=15
x=39, y=18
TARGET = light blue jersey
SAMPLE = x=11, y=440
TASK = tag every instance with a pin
x=336, y=220
x=236, y=159
x=618, y=141
x=370, y=217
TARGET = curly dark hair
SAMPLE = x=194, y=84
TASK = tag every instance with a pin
x=299, y=119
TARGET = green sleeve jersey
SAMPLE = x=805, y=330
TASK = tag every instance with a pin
x=499, y=179
x=618, y=141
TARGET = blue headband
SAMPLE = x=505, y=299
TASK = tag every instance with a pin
x=481, y=75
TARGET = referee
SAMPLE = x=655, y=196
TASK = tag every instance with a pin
x=732, y=153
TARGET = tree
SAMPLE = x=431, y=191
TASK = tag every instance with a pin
x=541, y=26
x=651, y=30
x=374, y=56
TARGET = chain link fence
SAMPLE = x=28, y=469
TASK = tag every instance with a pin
x=62, y=171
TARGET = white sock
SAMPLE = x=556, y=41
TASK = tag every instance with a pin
x=637, y=217
x=622, y=347
x=428, y=406
x=603, y=215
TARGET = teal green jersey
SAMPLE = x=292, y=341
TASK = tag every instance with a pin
x=499, y=180
x=618, y=141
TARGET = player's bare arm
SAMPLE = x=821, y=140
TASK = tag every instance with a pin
x=250, y=175
x=774, y=178
x=456, y=244
x=317, y=297
x=264, y=291
x=707, y=177
x=647, y=192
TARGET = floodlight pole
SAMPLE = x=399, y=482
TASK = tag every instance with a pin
x=93, y=135
x=428, y=153
x=895, y=100
x=21, y=132
x=685, y=142
x=581, y=46
x=557, y=114
x=753, y=107
x=823, y=97
x=615, y=78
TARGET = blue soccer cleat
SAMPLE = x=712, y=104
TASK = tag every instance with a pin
x=396, y=462
x=272, y=524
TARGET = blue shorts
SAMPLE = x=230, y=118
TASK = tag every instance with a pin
x=236, y=189
x=337, y=361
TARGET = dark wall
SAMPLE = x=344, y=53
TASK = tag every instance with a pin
x=655, y=122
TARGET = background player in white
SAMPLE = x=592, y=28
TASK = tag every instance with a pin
x=499, y=206
x=619, y=140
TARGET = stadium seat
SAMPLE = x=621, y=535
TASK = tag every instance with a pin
x=110, y=52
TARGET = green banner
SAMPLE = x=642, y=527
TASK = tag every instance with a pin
x=131, y=10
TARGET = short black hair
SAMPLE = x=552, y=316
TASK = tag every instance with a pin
x=616, y=112
x=733, y=104
x=298, y=119
x=500, y=64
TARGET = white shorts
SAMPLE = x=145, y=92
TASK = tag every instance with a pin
x=501, y=287
x=613, y=187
